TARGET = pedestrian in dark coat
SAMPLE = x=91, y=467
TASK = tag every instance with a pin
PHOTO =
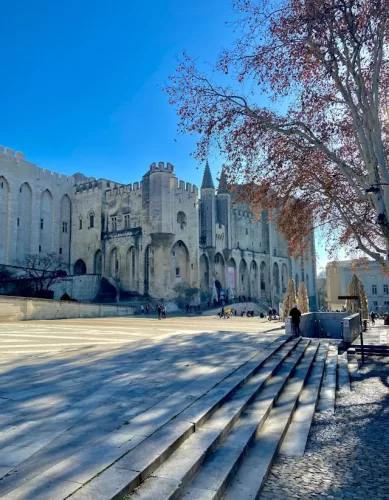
x=295, y=315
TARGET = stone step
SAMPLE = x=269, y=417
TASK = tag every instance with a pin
x=343, y=374
x=373, y=350
x=173, y=474
x=216, y=473
x=297, y=435
x=327, y=394
x=172, y=425
x=251, y=475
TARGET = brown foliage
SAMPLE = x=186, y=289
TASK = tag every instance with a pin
x=312, y=133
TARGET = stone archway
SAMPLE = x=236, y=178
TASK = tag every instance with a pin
x=204, y=273
x=244, y=281
x=97, y=263
x=46, y=221
x=276, y=277
x=65, y=226
x=114, y=263
x=180, y=263
x=218, y=287
x=79, y=267
x=263, y=280
x=24, y=221
x=219, y=267
x=131, y=268
x=4, y=215
x=231, y=275
x=254, y=280
x=147, y=269
x=284, y=278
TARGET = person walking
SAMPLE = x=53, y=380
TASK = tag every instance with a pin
x=270, y=314
x=295, y=315
x=159, y=311
x=372, y=316
x=142, y=309
x=163, y=312
x=147, y=309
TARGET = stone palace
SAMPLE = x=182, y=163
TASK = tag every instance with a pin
x=147, y=237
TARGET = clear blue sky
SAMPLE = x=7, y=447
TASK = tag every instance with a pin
x=80, y=81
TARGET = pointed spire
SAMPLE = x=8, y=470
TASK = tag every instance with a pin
x=207, y=178
x=223, y=184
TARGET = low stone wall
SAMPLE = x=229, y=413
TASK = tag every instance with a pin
x=351, y=328
x=22, y=309
x=320, y=324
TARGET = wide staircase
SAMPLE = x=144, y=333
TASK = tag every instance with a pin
x=222, y=446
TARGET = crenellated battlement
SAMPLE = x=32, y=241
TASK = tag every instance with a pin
x=94, y=185
x=43, y=173
x=186, y=186
x=119, y=190
x=161, y=167
x=244, y=214
x=11, y=153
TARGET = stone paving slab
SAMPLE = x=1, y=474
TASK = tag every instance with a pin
x=60, y=400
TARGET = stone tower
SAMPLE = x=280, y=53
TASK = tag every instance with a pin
x=223, y=203
x=208, y=209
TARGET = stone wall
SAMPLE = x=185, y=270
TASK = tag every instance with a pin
x=319, y=325
x=35, y=209
x=82, y=288
x=22, y=309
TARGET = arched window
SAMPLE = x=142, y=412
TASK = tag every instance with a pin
x=180, y=262
x=24, y=221
x=4, y=215
x=46, y=219
x=181, y=220
x=91, y=217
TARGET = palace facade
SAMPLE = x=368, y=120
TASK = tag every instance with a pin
x=153, y=238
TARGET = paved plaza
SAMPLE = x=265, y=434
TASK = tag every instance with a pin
x=347, y=452
x=76, y=395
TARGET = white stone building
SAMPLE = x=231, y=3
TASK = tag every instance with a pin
x=339, y=275
x=145, y=238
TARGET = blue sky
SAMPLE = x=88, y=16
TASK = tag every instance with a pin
x=81, y=81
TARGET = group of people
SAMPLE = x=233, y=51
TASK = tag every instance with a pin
x=227, y=312
x=272, y=314
x=161, y=311
x=144, y=309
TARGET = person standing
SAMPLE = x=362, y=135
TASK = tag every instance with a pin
x=270, y=313
x=163, y=312
x=295, y=315
x=147, y=309
x=159, y=311
x=142, y=309
x=372, y=316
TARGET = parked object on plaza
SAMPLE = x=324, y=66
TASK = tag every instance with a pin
x=303, y=301
x=290, y=297
x=355, y=288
